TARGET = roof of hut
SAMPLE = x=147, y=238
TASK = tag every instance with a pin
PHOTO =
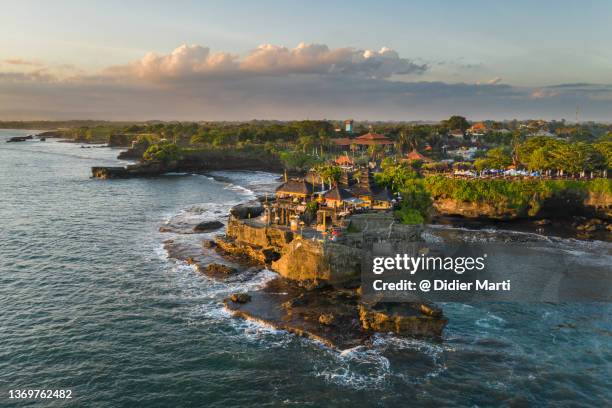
x=382, y=194
x=295, y=187
x=337, y=194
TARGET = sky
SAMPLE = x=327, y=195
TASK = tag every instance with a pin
x=239, y=60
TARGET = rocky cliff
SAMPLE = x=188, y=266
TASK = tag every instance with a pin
x=314, y=261
x=318, y=292
x=591, y=204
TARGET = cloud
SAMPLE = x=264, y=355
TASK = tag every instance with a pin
x=543, y=93
x=22, y=62
x=195, y=61
x=320, y=59
x=184, y=62
x=275, y=82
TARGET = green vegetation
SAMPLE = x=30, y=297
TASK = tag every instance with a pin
x=525, y=196
x=546, y=153
x=162, y=151
x=298, y=161
x=416, y=200
x=498, y=158
x=330, y=174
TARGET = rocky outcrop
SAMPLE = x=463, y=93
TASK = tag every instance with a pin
x=250, y=209
x=589, y=203
x=240, y=252
x=333, y=317
x=119, y=140
x=240, y=298
x=51, y=133
x=418, y=319
x=203, y=162
x=599, y=204
x=207, y=226
x=219, y=270
x=149, y=169
x=18, y=139
x=318, y=293
x=314, y=261
x=474, y=209
x=255, y=233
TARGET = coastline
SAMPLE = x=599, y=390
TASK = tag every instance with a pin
x=166, y=306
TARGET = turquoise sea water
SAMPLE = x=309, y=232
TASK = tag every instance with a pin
x=90, y=302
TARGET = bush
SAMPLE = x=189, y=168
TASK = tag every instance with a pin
x=526, y=196
x=163, y=151
x=298, y=161
x=409, y=216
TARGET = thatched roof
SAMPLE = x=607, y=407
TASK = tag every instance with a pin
x=337, y=194
x=295, y=187
x=382, y=194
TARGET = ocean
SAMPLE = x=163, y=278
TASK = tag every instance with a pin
x=90, y=301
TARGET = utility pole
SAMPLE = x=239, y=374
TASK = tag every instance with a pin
x=577, y=112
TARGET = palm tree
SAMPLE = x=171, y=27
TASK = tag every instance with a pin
x=402, y=142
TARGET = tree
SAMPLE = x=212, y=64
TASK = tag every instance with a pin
x=402, y=142
x=163, y=151
x=456, y=122
x=605, y=150
x=330, y=174
x=305, y=143
x=323, y=139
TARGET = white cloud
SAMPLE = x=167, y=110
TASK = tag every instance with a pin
x=184, y=61
x=189, y=61
x=275, y=82
x=320, y=59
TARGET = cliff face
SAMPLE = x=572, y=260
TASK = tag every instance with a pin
x=250, y=233
x=307, y=260
x=194, y=164
x=588, y=204
x=319, y=291
x=335, y=263
x=600, y=204
x=474, y=209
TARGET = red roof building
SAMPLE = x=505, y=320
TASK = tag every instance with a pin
x=344, y=161
x=372, y=139
x=342, y=141
x=416, y=156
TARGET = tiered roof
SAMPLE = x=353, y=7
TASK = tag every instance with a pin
x=337, y=194
x=295, y=187
x=344, y=161
x=373, y=139
x=415, y=155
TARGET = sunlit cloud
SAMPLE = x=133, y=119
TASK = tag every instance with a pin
x=22, y=62
x=195, y=61
x=275, y=82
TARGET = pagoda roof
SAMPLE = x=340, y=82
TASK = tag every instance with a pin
x=415, y=155
x=337, y=194
x=344, y=160
x=373, y=139
x=342, y=141
x=382, y=194
x=295, y=187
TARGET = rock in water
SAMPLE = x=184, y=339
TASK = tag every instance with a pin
x=417, y=320
x=326, y=319
x=250, y=209
x=207, y=226
x=240, y=298
x=216, y=269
